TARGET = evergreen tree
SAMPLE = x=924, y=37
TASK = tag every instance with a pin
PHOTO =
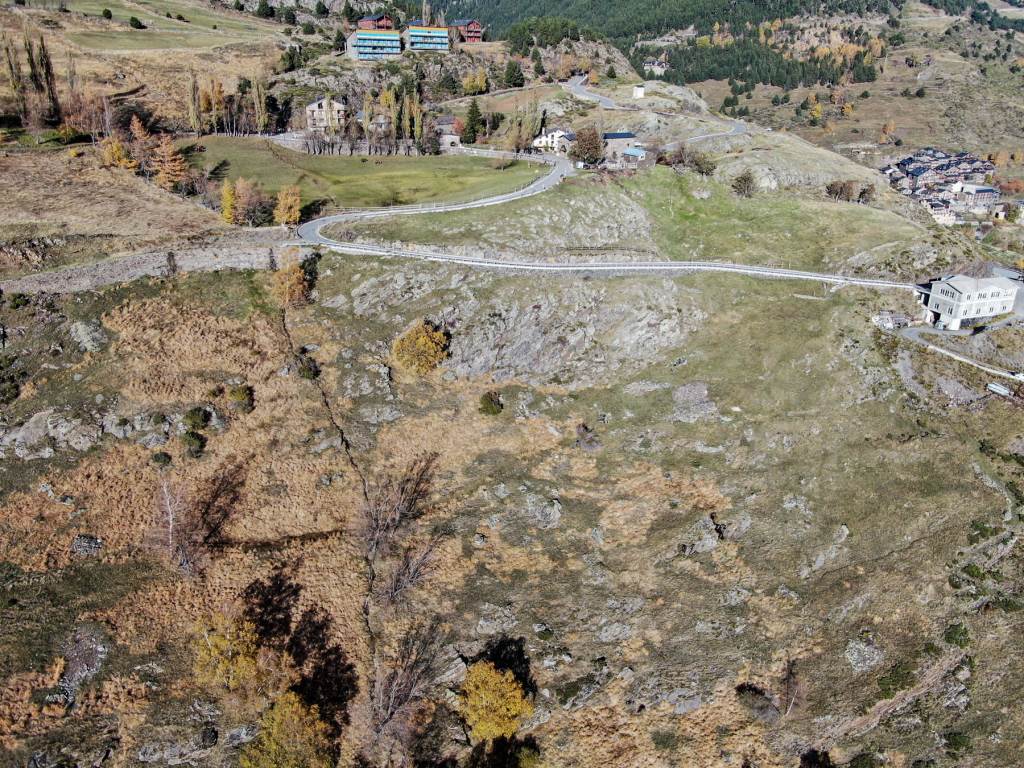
x=514, y=77
x=264, y=11
x=474, y=123
x=320, y=9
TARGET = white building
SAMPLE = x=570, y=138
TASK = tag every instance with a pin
x=555, y=140
x=327, y=113
x=953, y=300
x=639, y=91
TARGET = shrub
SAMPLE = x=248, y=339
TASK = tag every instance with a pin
x=957, y=742
x=665, y=740
x=957, y=634
x=898, y=678
x=421, y=348
x=106, y=14
x=744, y=184
x=242, y=398
x=195, y=443
x=291, y=736
x=307, y=367
x=490, y=403
x=161, y=458
x=308, y=28
x=19, y=300
x=196, y=418
x=134, y=23
x=493, y=704
x=10, y=379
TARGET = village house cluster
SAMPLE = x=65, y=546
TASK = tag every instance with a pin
x=622, y=149
x=377, y=37
x=950, y=186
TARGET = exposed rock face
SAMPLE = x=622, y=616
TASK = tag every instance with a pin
x=90, y=337
x=196, y=747
x=85, y=652
x=692, y=403
x=863, y=656
x=542, y=343
x=42, y=433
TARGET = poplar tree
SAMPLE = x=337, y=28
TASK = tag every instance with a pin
x=227, y=201
x=49, y=81
x=195, y=118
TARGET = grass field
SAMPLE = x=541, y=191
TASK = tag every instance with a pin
x=203, y=27
x=658, y=209
x=360, y=181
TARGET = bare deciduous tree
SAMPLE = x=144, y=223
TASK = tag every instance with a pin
x=395, y=502
x=402, y=680
x=411, y=570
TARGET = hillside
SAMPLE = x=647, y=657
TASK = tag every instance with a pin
x=342, y=427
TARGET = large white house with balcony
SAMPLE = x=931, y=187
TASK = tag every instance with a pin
x=953, y=300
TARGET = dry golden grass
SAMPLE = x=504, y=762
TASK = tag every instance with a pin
x=102, y=210
x=161, y=75
x=200, y=344
x=21, y=717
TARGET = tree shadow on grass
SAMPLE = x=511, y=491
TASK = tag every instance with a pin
x=327, y=679
x=314, y=208
x=507, y=653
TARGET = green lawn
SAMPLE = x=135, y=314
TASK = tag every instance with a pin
x=204, y=27
x=360, y=181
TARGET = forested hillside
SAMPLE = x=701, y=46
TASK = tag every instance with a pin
x=621, y=20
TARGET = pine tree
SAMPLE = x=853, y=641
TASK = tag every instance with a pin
x=514, y=75
x=264, y=11
x=169, y=167
x=474, y=122
x=227, y=201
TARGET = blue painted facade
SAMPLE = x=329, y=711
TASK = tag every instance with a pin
x=374, y=44
x=423, y=38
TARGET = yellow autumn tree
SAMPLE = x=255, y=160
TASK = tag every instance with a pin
x=492, y=702
x=227, y=201
x=291, y=736
x=114, y=154
x=226, y=654
x=169, y=167
x=289, y=205
x=421, y=348
x=292, y=285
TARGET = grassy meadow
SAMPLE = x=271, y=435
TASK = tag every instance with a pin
x=672, y=214
x=361, y=181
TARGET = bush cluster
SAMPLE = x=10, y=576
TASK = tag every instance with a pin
x=421, y=348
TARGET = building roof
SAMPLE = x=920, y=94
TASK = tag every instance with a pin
x=619, y=135
x=635, y=152
x=317, y=104
x=375, y=17
x=965, y=284
x=463, y=22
